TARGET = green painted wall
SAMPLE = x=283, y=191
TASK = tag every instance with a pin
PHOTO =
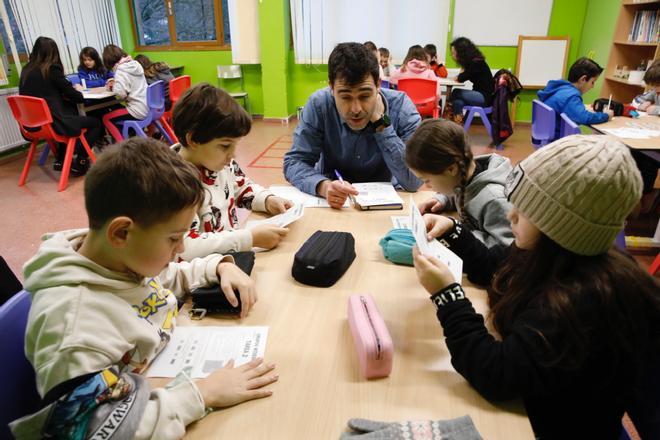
x=200, y=65
x=279, y=85
x=274, y=30
x=567, y=18
x=597, y=35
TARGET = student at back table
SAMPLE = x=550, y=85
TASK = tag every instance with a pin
x=566, y=96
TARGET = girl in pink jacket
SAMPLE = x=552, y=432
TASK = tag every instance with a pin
x=415, y=65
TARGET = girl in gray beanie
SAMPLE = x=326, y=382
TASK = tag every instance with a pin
x=579, y=320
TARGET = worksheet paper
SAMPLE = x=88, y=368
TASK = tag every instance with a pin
x=401, y=222
x=207, y=348
x=433, y=247
x=296, y=196
x=286, y=218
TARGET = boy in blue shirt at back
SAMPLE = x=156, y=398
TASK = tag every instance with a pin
x=566, y=96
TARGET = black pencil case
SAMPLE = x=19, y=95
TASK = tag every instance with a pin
x=323, y=258
x=211, y=299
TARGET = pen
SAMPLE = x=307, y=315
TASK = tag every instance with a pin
x=341, y=179
x=609, y=102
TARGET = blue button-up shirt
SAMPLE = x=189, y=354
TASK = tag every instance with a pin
x=323, y=142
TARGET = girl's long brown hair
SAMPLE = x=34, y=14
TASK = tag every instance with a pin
x=435, y=146
x=415, y=52
x=43, y=56
x=606, y=298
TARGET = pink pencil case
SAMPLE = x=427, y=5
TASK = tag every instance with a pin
x=373, y=342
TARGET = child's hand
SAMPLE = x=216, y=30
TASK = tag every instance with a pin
x=109, y=84
x=432, y=274
x=644, y=106
x=431, y=205
x=231, y=385
x=651, y=108
x=267, y=236
x=277, y=205
x=610, y=114
x=78, y=87
x=437, y=225
x=231, y=278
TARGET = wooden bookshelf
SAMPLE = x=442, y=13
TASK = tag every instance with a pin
x=628, y=53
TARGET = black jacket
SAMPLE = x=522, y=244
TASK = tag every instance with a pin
x=479, y=73
x=60, y=96
x=586, y=402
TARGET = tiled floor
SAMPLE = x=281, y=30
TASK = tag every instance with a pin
x=36, y=208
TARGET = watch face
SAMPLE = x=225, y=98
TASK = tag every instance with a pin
x=386, y=120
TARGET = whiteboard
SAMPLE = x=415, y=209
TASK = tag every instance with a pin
x=541, y=59
x=498, y=23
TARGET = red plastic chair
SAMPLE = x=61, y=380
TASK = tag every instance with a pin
x=423, y=93
x=177, y=87
x=31, y=112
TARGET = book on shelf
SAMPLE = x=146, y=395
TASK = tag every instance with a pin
x=646, y=27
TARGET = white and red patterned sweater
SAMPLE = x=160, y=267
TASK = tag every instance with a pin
x=215, y=228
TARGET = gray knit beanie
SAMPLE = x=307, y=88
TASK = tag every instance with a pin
x=578, y=191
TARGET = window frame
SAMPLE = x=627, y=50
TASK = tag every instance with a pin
x=175, y=45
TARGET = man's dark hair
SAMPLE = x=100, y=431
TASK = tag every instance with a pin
x=207, y=113
x=584, y=66
x=143, y=179
x=351, y=62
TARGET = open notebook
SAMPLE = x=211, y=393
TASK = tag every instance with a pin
x=377, y=195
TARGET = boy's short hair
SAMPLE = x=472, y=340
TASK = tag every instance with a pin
x=143, y=179
x=352, y=62
x=431, y=50
x=111, y=55
x=584, y=66
x=384, y=52
x=652, y=76
x=207, y=113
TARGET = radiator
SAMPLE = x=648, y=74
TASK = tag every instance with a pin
x=10, y=135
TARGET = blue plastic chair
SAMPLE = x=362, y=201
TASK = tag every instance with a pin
x=73, y=78
x=620, y=241
x=544, y=122
x=19, y=395
x=483, y=112
x=156, y=105
x=567, y=127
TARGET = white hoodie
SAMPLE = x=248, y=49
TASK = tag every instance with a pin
x=131, y=85
x=85, y=318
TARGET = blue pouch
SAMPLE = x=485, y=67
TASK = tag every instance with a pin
x=397, y=246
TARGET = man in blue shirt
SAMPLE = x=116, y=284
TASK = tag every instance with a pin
x=566, y=96
x=352, y=127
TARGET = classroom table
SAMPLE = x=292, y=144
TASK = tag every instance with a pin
x=99, y=94
x=649, y=146
x=320, y=386
x=448, y=83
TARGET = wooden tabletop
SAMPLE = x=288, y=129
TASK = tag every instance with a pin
x=320, y=386
x=648, y=122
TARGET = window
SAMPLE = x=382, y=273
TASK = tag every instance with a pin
x=181, y=24
x=18, y=39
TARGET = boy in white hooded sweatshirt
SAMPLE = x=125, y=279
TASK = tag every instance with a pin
x=103, y=299
x=129, y=84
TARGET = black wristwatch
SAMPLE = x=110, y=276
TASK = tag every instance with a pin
x=384, y=121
